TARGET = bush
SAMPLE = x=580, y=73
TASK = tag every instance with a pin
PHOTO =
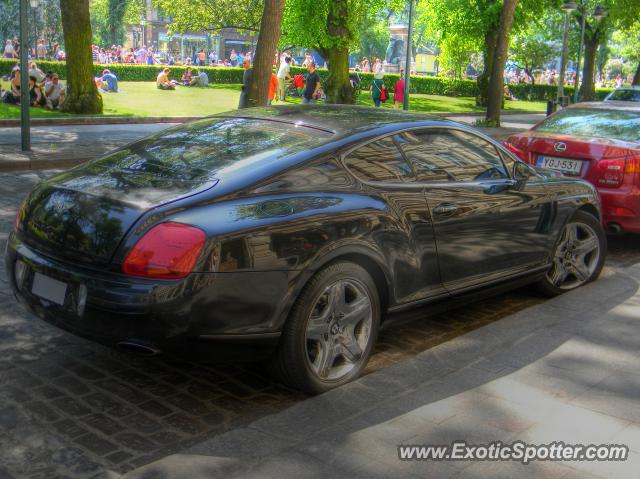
x=229, y=75
x=127, y=72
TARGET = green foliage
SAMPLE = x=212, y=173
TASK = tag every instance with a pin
x=374, y=37
x=208, y=15
x=9, y=19
x=535, y=45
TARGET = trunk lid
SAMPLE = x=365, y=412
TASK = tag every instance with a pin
x=84, y=214
x=590, y=151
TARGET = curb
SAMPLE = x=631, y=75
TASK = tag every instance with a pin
x=38, y=165
x=91, y=120
x=137, y=120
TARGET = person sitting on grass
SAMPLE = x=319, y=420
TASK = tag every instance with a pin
x=13, y=95
x=201, y=79
x=54, y=92
x=187, y=77
x=109, y=82
x=34, y=71
x=36, y=97
x=163, y=82
x=507, y=93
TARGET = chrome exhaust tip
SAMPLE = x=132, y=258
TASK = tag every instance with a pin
x=614, y=228
x=138, y=347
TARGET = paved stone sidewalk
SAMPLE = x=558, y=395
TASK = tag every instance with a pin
x=66, y=146
x=564, y=370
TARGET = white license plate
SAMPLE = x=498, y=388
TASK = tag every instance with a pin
x=49, y=288
x=560, y=164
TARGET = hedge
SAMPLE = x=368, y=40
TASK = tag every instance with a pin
x=227, y=75
x=127, y=72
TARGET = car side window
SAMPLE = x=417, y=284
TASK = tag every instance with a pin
x=440, y=155
x=380, y=161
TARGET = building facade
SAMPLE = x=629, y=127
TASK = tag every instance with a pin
x=153, y=31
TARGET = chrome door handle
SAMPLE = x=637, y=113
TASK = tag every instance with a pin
x=445, y=209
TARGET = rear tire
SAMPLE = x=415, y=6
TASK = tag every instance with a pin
x=578, y=255
x=331, y=330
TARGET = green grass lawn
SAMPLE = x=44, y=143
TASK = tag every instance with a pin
x=144, y=99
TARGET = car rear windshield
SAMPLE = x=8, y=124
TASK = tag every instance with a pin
x=613, y=124
x=199, y=150
x=625, y=95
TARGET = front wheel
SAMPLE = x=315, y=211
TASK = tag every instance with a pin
x=578, y=256
x=331, y=330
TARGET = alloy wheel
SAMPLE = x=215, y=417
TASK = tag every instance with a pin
x=338, y=329
x=576, y=256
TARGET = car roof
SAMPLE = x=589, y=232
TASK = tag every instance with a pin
x=630, y=106
x=338, y=119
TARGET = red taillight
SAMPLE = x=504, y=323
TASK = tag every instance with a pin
x=610, y=173
x=516, y=151
x=168, y=250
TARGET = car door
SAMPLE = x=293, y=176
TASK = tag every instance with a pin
x=488, y=225
x=405, y=236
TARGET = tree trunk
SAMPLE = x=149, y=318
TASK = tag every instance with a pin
x=496, y=81
x=82, y=94
x=338, y=88
x=490, y=40
x=636, y=77
x=588, y=88
x=268, y=38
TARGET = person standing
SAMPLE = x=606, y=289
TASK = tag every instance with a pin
x=377, y=88
x=9, y=50
x=283, y=77
x=233, y=58
x=377, y=66
x=273, y=88
x=398, y=92
x=246, y=81
x=312, y=84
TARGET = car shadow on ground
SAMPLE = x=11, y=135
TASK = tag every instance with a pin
x=565, y=370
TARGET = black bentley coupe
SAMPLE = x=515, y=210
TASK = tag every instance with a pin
x=294, y=230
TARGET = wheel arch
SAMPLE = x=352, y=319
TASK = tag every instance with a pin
x=592, y=210
x=364, y=256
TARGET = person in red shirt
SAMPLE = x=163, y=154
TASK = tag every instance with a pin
x=398, y=92
x=273, y=88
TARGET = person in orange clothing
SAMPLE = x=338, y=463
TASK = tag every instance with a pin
x=273, y=88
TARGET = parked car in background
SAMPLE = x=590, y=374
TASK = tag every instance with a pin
x=599, y=142
x=625, y=93
x=296, y=229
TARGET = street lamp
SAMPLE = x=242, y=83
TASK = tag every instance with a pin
x=407, y=67
x=34, y=7
x=599, y=13
x=568, y=7
x=143, y=22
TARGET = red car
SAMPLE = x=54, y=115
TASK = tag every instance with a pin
x=599, y=142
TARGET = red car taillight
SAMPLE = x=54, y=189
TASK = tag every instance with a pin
x=516, y=151
x=611, y=173
x=168, y=250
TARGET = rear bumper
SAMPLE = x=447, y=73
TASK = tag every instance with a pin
x=621, y=207
x=182, y=315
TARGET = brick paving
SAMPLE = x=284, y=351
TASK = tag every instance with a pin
x=71, y=408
